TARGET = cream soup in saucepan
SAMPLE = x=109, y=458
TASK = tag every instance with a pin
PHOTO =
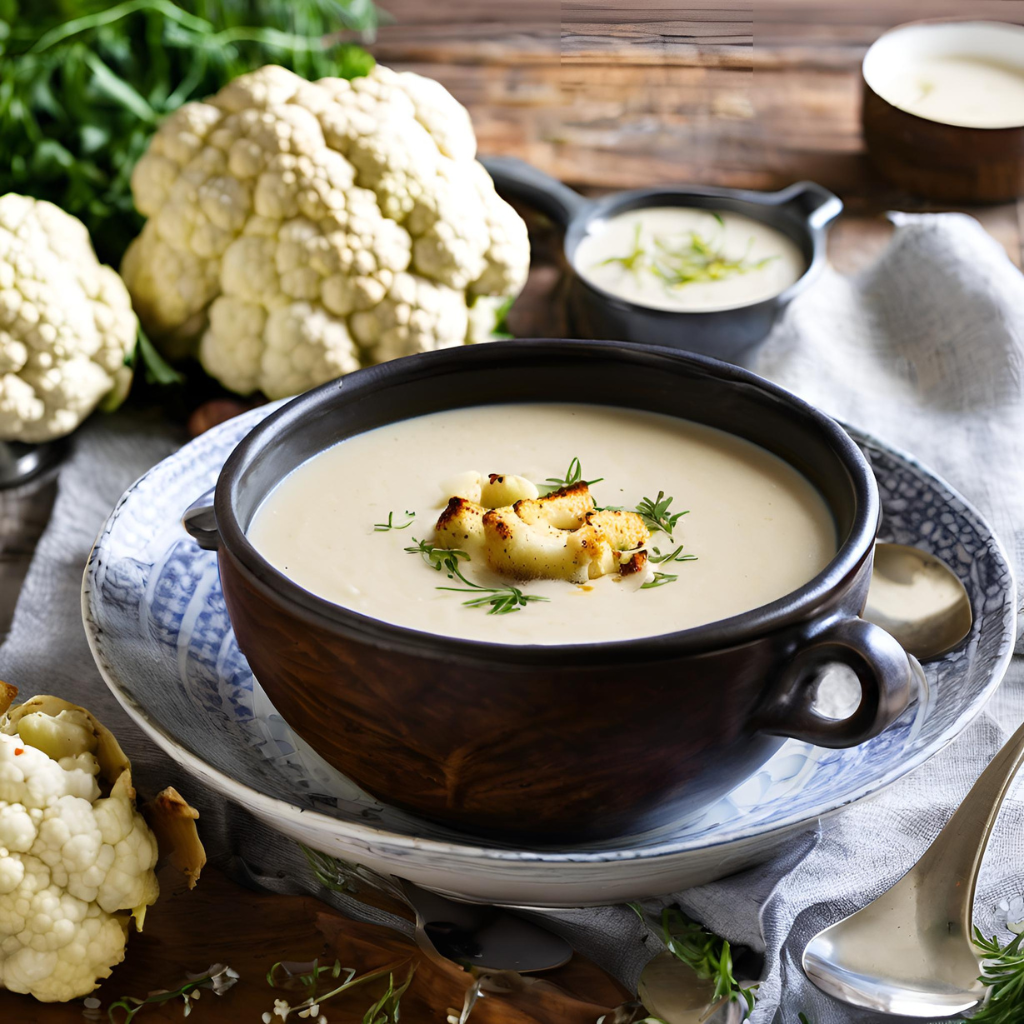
x=686, y=259
x=757, y=527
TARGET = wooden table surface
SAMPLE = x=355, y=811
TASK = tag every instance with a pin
x=604, y=94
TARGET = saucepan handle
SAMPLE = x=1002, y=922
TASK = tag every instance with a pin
x=813, y=202
x=880, y=663
x=516, y=179
x=200, y=522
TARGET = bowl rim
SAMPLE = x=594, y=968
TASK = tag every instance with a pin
x=612, y=202
x=924, y=24
x=792, y=608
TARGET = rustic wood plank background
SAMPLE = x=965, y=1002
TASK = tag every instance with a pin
x=616, y=94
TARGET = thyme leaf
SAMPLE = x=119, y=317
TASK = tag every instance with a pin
x=219, y=978
x=499, y=600
x=656, y=515
x=672, y=556
x=1003, y=973
x=707, y=954
x=573, y=475
x=659, y=580
x=391, y=525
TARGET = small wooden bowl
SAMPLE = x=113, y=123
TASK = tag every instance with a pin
x=953, y=163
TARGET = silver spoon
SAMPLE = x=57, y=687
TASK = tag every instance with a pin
x=671, y=991
x=915, y=597
x=488, y=938
x=910, y=951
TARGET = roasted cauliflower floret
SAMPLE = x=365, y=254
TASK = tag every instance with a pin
x=558, y=536
x=501, y=489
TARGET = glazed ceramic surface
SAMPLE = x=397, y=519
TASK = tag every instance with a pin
x=156, y=620
x=556, y=742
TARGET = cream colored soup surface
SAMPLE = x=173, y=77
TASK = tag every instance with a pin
x=758, y=528
x=767, y=261
x=960, y=90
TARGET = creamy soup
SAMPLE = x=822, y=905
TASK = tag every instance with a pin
x=680, y=258
x=960, y=90
x=756, y=527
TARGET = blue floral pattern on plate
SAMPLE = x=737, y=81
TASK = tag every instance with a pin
x=160, y=633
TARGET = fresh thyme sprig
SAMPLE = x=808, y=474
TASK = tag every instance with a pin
x=672, y=556
x=499, y=600
x=658, y=580
x=441, y=559
x=384, y=1011
x=1003, y=973
x=707, y=954
x=688, y=259
x=656, y=515
x=573, y=475
x=391, y=525
x=219, y=978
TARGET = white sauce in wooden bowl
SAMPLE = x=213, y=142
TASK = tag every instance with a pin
x=685, y=259
x=757, y=526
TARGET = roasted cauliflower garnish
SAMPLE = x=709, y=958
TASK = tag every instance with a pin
x=558, y=536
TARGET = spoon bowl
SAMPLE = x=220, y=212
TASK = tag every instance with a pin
x=910, y=951
x=916, y=597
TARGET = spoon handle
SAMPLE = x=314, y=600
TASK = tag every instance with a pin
x=949, y=869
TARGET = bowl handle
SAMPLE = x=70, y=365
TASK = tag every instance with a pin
x=200, y=522
x=519, y=180
x=813, y=202
x=886, y=682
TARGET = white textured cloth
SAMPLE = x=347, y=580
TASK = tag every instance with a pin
x=925, y=350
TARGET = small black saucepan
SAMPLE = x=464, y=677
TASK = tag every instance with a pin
x=802, y=211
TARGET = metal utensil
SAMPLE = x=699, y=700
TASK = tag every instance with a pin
x=671, y=991
x=917, y=598
x=909, y=951
x=488, y=938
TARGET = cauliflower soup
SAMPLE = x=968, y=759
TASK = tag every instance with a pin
x=688, y=259
x=546, y=524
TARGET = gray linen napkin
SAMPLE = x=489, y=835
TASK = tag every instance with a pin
x=926, y=350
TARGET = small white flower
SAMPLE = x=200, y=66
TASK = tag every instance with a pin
x=314, y=1009
x=267, y=1018
x=281, y=1008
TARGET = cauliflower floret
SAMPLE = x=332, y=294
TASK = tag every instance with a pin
x=558, y=536
x=66, y=323
x=301, y=229
x=75, y=865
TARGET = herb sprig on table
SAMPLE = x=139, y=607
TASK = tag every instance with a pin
x=1003, y=974
x=219, y=978
x=498, y=600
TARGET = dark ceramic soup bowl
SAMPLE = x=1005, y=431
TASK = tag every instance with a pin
x=574, y=742
x=803, y=212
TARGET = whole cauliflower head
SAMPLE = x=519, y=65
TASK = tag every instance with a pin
x=76, y=860
x=303, y=229
x=66, y=323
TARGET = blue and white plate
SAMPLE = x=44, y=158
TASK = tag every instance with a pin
x=160, y=633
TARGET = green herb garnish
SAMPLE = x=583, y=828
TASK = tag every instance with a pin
x=686, y=260
x=656, y=515
x=707, y=954
x=500, y=600
x=1003, y=973
x=83, y=85
x=384, y=1011
x=659, y=580
x=391, y=525
x=219, y=978
x=573, y=475
x=673, y=556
